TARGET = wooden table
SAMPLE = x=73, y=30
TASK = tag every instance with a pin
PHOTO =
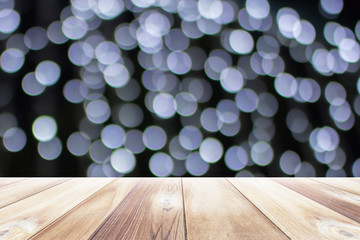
x=179, y=208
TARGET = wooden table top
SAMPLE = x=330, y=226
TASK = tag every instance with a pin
x=179, y=208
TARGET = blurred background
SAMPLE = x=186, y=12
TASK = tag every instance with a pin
x=179, y=88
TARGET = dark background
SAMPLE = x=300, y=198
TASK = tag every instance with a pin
x=68, y=115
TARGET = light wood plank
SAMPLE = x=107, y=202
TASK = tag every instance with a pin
x=7, y=181
x=343, y=202
x=351, y=185
x=298, y=216
x=216, y=210
x=83, y=220
x=22, y=189
x=24, y=218
x=152, y=210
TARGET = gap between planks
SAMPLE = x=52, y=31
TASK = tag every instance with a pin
x=257, y=207
x=313, y=220
x=184, y=206
x=184, y=209
x=30, y=215
x=38, y=189
x=216, y=210
x=156, y=195
x=337, y=199
x=68, y=212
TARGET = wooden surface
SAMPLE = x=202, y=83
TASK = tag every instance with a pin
x=179, y=208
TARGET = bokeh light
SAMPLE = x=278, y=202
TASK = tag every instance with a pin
x=11, y=60
x=14, y=139
x=50, y=150
x=195, y=165
x=113, y=88
x=44, y=128
x=211, y=150
x=161, y=164
x=9, y=20
x=289, y=162
x=78, y=144
x=122, y=160
x=47, y=73
x=113, y=136
x=35, y=38
x=154, y=138
x=262, y=153
x=236, y=158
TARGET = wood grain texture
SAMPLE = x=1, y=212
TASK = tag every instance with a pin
x=16, y=191
x=83, y=220
x=7, y=181
x=298, y=216
x=351, y=185
x=216, y=210
x=152, y=210
x=175, y=208
x=343, y=202
x=24, y=218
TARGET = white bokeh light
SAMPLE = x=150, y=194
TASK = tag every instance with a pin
x=211, y=150
x=113, y=136
x=236, y=158
x=44, y=128
x=231, y=80
x=262, y=153
x=116, y=75
x=332, y=6
x=190, y=137
x=47, y=73
x=74, y=28
x=11, y=60
x=9, y=20
x=286, y=85
x=122, y=160
x=349, y=50
x=210, y=9
x=258, y=9
x=164, y=105
x=241, y=41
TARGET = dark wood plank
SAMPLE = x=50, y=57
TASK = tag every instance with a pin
x=82, y=221
x=217, y=210
x=343, y=202
x=298, y=216
x=152, y=210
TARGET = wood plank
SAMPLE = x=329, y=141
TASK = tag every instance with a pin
x=298, y=216
x=152, y=210
x=351, y=185
x=83, y=220
x=24, y=218
x=216, y=210
x=22, y=189
x=341, y=201
x=7, y=181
